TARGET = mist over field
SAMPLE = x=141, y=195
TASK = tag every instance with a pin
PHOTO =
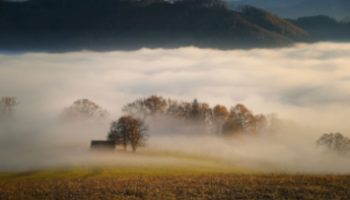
x=306, y=85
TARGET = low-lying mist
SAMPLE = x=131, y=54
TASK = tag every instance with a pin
x=307, y=86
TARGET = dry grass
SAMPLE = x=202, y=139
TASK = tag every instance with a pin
x=183, y=177
x=103, y=184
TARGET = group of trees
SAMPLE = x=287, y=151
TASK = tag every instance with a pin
x=127, y=130
x=7, y=106
x=335, y=142
x=225, y=121
x=130, y=129
x=80, y=109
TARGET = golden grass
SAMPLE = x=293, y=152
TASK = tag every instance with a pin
x=190, y=177
x=166, y=163
x=204, y=186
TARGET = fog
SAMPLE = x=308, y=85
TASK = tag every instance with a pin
x=307, y=86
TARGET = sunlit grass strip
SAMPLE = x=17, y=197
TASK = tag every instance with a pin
x=105, y=172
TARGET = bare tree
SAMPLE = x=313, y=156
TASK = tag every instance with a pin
x=7, y=105
x=128, y=130
x=84, y=109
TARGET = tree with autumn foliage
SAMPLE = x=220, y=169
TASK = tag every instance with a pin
x=220, y=115
x=241, y=119
x=238, y=120
x=200, y=112
x=146, y=107
x=128, y=130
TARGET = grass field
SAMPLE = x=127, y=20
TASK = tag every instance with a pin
x=101, y=183
x=181, y=176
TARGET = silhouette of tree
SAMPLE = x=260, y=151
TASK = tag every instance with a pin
x=155, y=104
x=195, y=111
x=128, y=130
x=245, y=117
x=146, y=107
x=118, y=133
x=261, y=122
x=239, y=119
x=335, y=142
x=7, y=105
x=84, y=109
x=206, y=113
x=232, y=125
x=220, y=115
x=174, y=109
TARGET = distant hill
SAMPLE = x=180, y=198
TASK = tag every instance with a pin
x=345, y=19
x=129, y=24
x=273, y=23
x=266, y=4
x=338, y=9
x=324, y=28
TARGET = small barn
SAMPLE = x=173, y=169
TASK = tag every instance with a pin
x=102, y=145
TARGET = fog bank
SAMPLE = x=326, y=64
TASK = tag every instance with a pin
x=307, y=85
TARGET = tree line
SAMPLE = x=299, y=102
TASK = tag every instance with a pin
x=131, y=129
x=127, y=130
x=226, y=121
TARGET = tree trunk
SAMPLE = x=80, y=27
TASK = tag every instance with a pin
x=134, y=148
x=125, y=146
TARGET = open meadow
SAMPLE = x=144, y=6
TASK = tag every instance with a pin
x=112, y=183
x=182, y=176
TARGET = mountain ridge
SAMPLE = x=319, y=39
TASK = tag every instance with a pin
x=125, y=24
x=338, y=9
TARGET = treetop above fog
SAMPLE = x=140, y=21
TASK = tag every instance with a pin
x=227, y=121
x=7, y=105
x=335, y=142
x=84, y=109
x=128, y=130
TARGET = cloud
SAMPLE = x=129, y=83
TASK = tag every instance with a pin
x=306, y=83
